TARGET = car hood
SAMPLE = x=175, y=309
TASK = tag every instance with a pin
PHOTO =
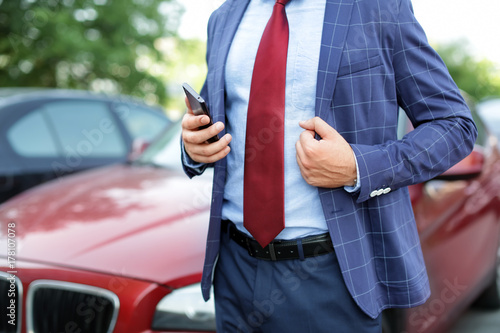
x=136, y=221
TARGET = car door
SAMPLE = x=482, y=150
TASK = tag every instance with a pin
x=458, y=221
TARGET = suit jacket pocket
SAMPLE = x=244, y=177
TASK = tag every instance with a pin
x=359, y=66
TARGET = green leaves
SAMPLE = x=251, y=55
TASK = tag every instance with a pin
x=480, y=78
x=103, y=45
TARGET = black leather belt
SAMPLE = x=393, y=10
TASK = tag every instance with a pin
x=281, y=249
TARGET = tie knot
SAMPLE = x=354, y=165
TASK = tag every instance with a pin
x=282, y=2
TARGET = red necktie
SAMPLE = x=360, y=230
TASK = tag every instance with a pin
x=264, y=183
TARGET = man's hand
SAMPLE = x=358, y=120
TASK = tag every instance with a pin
x=195, y=140
x=328, y=162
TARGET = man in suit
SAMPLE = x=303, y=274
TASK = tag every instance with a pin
x=349, y=247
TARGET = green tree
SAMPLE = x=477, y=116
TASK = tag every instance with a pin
x=188, y=57
x=478, y=77
x=100, y=45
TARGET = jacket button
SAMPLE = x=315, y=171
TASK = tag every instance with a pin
x=373, y=194
x=387, y=190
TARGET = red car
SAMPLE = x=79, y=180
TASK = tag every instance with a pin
x=120, y=249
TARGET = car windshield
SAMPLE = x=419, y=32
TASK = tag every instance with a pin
x=165, y=151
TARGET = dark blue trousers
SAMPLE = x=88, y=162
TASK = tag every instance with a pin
x=255, y=295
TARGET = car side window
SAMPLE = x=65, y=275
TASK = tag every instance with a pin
x=86, y=128
x=140, y=122
x=30, y=137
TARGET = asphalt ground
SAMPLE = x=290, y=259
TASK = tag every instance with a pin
x=478, y=321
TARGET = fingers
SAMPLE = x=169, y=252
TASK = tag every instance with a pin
x=192, y=122
x=300, y=153
x=199, y=136
x=301, y=165
x=319, y=126
x=205, y=155
x=303, y=150
x=307, y=135
x=303, y=162
x=211, y=149
x=195, y=139
x=307, y=124
x=306, y=143
x=306, y=150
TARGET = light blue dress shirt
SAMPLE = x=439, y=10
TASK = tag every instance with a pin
x=303, y=212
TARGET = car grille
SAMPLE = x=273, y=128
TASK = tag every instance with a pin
x=10, y=300
x=56, y=306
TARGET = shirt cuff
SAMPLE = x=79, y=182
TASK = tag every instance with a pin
x=196, y=166
x=357, y=181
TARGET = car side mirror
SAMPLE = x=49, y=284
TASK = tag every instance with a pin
x=468, y=168
x=139, y=145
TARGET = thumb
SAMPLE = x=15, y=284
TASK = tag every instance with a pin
x=319, y=126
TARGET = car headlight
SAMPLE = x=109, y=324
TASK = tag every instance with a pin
x=185, y=309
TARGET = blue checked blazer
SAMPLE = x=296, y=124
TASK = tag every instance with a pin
x=374, y=58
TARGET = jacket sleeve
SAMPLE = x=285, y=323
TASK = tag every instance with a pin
x=444, y=130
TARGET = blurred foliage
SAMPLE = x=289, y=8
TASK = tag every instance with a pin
x=190, y=66
x=479, y=78
x=113, y=46
x=131, y=47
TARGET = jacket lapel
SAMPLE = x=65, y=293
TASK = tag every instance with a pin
x=223, y=38
x=335, y=27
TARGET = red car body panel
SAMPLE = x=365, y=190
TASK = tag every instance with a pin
x=130, y=211
x=122, y=228
x=459, y=228
x=132, y=317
